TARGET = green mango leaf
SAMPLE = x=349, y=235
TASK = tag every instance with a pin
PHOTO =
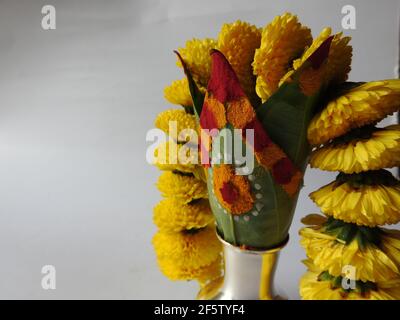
x=197, y=95
x=267, y=224
x=287, y=113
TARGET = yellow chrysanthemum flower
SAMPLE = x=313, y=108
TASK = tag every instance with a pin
x=369, y=204
x=211, y=272
x=183, y=187
x=196, y=55
x=191, y=250
x=202, y=274
x=361, y=105
x=329, y=253
x=178, y=93
x=315, y=287
x=238, y=42
x=316, y=43
x=210, y=289
x=339, y=59
x=166, y=157
x=391, y=244
x=380, y=149
x=173, y=215
x=183, y=120
x=283, y=40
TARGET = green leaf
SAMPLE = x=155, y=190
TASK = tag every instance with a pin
x=371, y=235
x=197, y=95
x=267, y=224
x=333, y=224
x=286, y=116
x=337, y=282
x=325, y=276
x=287, y=113
x=347, y=233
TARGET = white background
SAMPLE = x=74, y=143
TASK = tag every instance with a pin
x=75, y=106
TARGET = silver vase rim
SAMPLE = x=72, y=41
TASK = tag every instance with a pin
x=252, y=251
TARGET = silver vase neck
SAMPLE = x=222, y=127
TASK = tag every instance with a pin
x=249, y=274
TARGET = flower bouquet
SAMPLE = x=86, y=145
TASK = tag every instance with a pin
x=248, y=99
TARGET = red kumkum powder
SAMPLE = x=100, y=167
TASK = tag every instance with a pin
x=283, y=171
x=229, y=193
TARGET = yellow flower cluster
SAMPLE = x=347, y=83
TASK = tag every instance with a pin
x=186, y=245
x=196, y=55
x=380, y=150
x=181, y=186
x=338, y=65
x=364, y=204
x=319, y=285
x=178, y=93
x=192, y=249
x=173, y=215
x=176, y=120
x=363, y=197
x=364, y=104
x=373, y=262
x=166, y=159
x=238, y=41
x=283, y=40
x=262, y=58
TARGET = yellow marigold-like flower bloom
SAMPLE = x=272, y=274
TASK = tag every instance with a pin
x=262, y=89
x=187, y=164
x=202, y=274
x=238, y=42
x=339, y=60
x=283, y=40
x=381, y=149
x=211, y=272
x=329, y=253
x=315, y=285
x=376, y=203
x=178, y=93
x=316, y=43
x=196, y=55
x=173, y=215
x=210, y=289
x=361, y=105
x=165, y=120
x=181, y=186
x=191, y=249
x=391, y=244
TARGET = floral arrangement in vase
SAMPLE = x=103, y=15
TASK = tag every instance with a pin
x=237, y=150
